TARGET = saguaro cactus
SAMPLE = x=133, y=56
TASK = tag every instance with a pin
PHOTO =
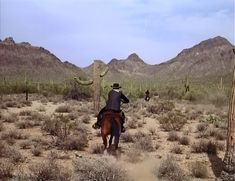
x=96, y=81
x=228, y=173
x=186, y=85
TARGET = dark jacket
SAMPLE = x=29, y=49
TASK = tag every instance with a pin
x=114, y=100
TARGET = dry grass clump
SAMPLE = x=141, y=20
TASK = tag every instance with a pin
x=37, y=150
x=127, y=137
x=25, y=144
x=144, y=143
x=1, y=126
x=170, y=170
x=172, y=121
x=97, y=149
x=177, y=149
x=202, y=127
x=199, y=170
x=73, y=142
x=220, y=135
x=99, y=169
x=11, y=104
x=152, y=130
x=173, y=136
x=161, y=107
x=132, y=123
x=25, y=113
x=86, y=119
x=11, y=135
x=10, y=118
x=49, y=170
x=57, y=126
x=24, y=124
x=203, y=145
x=6, y=169
x=63, y=109
x=11, y=153
x=184, y=140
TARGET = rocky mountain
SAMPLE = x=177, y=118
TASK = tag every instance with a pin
x=212, y=58
x=209, y=59
x=37, y=63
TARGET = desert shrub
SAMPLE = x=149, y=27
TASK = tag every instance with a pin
x=161, y=107
x=1, y=126
x=58, y=126
x=86, y=119
x=63, y=109
x=184, y=140
x=13, y=134
x=173, y=136
x=199, y=170
x=220, y=135
x=6, y=169
x=144, y=143
x=152, y=130
x=99, y=169
x=132, y=123
x=25, y=113
x=36, y=150
x=10, y=118
x=49, y=170
x=205, y=146
x=25, y=144
x=24, y=124
x=212, y=118
x=170, y=170
x=127, y=137
x=192, y=96
x=177, y=149
x=73, y=142
x=172, y=121
x=219, y=99
x=202, y=127
x=97, y=149
x=11, y=104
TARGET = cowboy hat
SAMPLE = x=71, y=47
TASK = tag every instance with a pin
x=116, y=86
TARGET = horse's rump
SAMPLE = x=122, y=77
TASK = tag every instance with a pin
x=112, y=121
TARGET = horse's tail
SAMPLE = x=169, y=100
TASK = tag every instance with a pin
x=115, y=128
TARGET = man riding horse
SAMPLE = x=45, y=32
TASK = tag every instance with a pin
x=115, y=97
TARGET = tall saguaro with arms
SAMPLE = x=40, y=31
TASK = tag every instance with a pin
x=96, y=82
x=228, y=173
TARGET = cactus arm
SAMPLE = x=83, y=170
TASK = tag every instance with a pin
x=83, y=82
x=104, y=72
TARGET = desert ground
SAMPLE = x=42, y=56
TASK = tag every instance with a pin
x=50, y=138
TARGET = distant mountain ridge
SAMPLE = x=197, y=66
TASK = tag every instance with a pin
x=209, y=59
x=37, y=63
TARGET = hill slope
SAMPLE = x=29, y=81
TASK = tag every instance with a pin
x=37, y=63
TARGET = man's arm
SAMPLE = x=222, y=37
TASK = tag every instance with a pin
x=124, y=99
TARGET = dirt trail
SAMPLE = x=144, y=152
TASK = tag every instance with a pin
x=143, y=170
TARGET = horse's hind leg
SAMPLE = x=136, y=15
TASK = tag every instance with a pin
x=116, y=141
x=110, y=141
x=104, y=141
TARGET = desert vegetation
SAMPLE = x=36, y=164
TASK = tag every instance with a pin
x=49, y=137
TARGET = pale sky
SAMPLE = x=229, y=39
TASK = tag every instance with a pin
x=80, y=31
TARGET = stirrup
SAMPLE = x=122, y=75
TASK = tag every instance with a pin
x=123, y=129
x=95, y=126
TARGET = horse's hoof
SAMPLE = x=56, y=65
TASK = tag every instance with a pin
x=105, y=152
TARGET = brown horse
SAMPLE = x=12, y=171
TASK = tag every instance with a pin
x=111, y=125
